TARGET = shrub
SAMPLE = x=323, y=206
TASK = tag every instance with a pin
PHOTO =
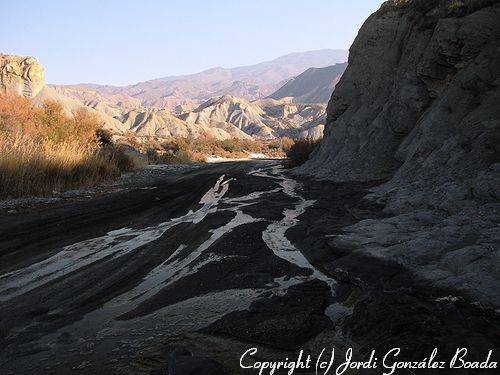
x=42, y=150
x=28, y=167
x=186, y=156
x=182, y=150
x=18, y=114
x=200, y=148
x=104, y=136
x=153, y=156
x=299, y=152
x=117, y=156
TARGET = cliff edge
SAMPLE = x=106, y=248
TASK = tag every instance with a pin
x=419, y=107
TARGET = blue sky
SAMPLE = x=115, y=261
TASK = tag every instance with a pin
x=123, y=42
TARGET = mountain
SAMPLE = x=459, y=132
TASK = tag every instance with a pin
x=220, y=117
x=418, y=107
x=248, y=82
x=315, y=85
x=231, y=111
x=227, y=117
x=295, y=120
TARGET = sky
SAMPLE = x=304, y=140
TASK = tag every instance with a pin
x=124, y=42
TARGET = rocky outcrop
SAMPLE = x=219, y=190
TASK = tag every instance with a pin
x=418, y=107
x=315, y=85
x=24, y=76
x=21, y=75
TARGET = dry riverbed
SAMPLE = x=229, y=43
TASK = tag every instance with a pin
x=187, y=268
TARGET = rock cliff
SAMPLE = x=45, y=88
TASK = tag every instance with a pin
x=21, y=75
x=418, y=107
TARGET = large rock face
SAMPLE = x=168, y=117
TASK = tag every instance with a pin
x=418, y=103
x=419, y=106
x=20, y=75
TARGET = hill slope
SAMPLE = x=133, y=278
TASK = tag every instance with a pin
x=315, y=85
x=257, y=119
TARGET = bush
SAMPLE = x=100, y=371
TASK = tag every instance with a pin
x=299, y=152
x=42, y=150
x=104, y=137
x=152, y=156
x=182, y=150
x=186, y=150
x=117, y=156
x=186, y=156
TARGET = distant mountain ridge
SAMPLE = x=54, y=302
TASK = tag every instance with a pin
x=248, y=82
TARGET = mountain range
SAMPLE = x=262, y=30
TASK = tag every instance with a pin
x=188, y=91
x=283, y=97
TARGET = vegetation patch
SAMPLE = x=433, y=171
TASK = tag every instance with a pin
x=44, y=151
x=189, y=150
x=300, y=151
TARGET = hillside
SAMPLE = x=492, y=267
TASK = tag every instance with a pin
x=420, y=110
x=315, y=85
x=257, y=119
x=162, y=123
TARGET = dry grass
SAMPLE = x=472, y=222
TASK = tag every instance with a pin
x=42, y=151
